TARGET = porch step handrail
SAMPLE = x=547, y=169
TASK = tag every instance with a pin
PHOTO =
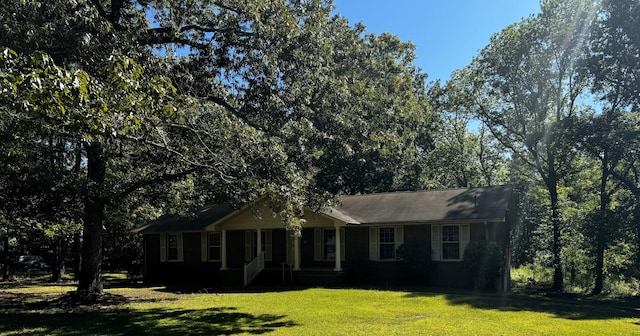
x=252, y=269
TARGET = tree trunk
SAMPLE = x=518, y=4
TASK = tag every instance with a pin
x=6, y=258
x=636, y=220
x=77, y=236
x=601, y=226
x=597, y=289
x=90, y=280
x=58, y=260
x=558, y=282
x=77, y=254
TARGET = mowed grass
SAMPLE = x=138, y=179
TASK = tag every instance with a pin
x=314, y=311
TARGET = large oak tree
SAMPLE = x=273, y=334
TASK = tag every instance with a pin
x=229, y=99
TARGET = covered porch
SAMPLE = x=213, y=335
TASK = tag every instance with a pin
x=318, y=247
x=252, y=237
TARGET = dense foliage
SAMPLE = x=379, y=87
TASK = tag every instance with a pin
x=559, y=90
x=484, y=262
x=114, y=112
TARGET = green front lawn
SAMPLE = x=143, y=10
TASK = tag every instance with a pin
x=316, y=311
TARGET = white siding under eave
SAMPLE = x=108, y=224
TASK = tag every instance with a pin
x=261, y=217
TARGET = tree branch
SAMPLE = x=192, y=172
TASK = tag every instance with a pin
x=100, y=9
x=116, y=6
x=166, y=35
x=113, y=16
x=234, y=111
x=215, y=30
x=164, y=178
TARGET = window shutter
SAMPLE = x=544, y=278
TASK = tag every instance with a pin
x=373, y=243
x=204, y=246
x=435, y=243
x=342, y=239
x=163, y=247
x=180, y=253
x=268, y=251
x=399, y=237
x=464, y=238
x=247, y=245
x=317, y=244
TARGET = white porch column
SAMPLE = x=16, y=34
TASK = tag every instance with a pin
x=223, y=250
x=338, y=267
x=259, y=242
x=296, y=253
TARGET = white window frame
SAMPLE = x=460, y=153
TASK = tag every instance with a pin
x=457, y=242
x=392, y=243
x=375, y=243
x=210, y=245
x=437, y=242
x=164, y=247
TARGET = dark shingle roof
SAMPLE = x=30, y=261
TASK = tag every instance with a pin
x=481, y=203
x=202, y=218
x=469, y=204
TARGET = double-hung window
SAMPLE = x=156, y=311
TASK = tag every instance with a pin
x=214, y=245
x=450, y=242
x=171, y=247
x=387, y=243
x=384, y=242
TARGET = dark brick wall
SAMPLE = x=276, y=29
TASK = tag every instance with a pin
x=193, y=270
x=357, y=244
x=417, y=234
x=450, y=274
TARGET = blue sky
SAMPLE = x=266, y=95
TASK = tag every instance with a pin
x=447, y=33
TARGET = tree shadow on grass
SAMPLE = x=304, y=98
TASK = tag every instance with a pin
x=572, y=308
x=124, y=321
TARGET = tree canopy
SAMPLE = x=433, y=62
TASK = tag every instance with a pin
x=208, y=100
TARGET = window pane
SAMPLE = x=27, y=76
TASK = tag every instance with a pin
x=451, y=233
x=214, y=245
x=329, y=237
x=172, y=247
x=387, y=235
x=214, y=239
x=172, y=241
x=387, y=251
x=450, y=251
x=214, y=253
x=387, y=243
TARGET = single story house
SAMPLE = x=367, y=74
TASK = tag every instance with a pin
x=358, y=239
